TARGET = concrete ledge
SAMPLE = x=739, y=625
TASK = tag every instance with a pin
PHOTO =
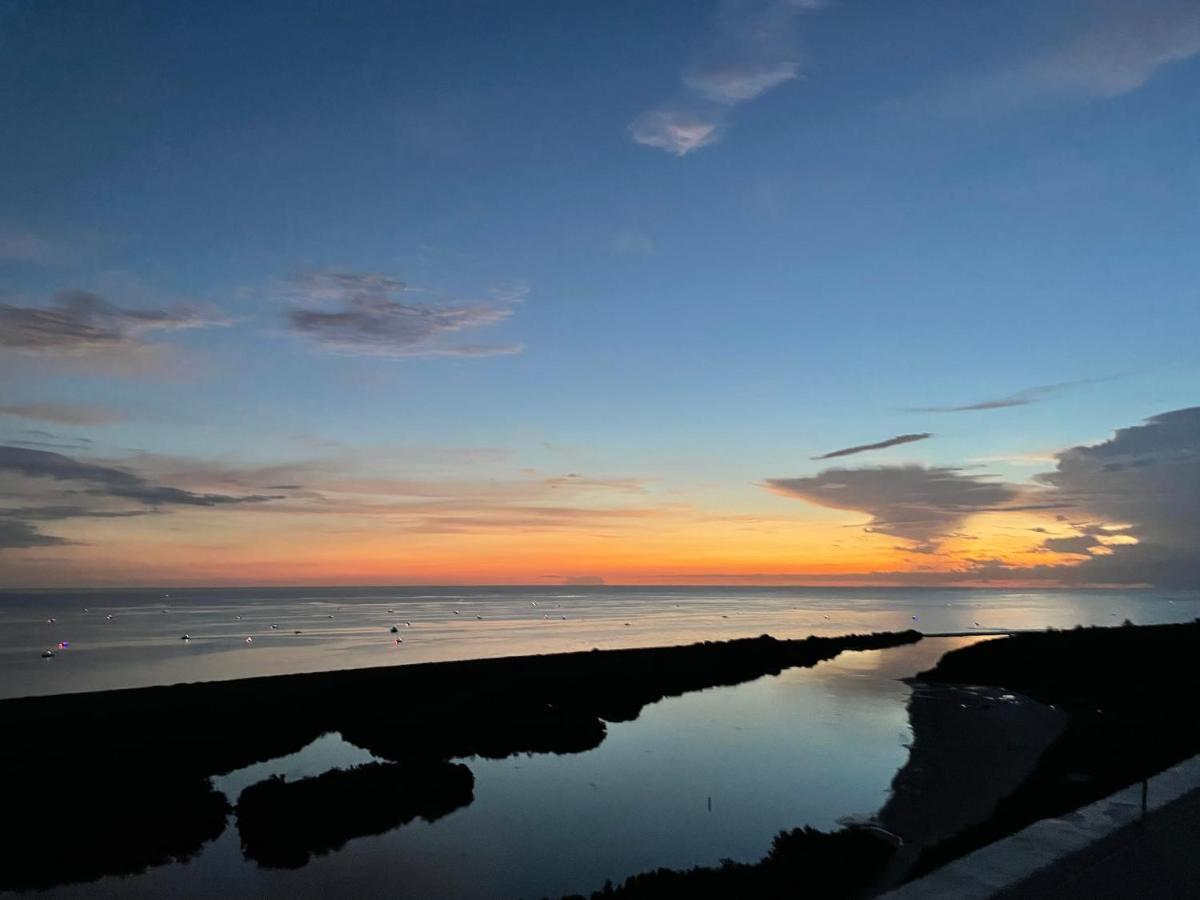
x=1003, y=865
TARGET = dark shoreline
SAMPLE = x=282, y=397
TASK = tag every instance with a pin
x=1131, y=695
x=133, y=766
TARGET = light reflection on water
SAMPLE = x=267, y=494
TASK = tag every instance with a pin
x=809, y=746
x=141, y=644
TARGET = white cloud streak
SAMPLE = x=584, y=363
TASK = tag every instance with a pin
x=371, y=314
x=751, y=49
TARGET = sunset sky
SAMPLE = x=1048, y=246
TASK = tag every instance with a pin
x=733, y=292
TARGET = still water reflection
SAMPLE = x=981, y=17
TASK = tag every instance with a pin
x=809, y=746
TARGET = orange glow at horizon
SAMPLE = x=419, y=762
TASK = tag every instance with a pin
x=677, y=547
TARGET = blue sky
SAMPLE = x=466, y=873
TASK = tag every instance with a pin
x=696, y=243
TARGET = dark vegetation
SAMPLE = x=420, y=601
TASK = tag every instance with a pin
x=62, y=825
x=801, y=863
x=113, y=782
x=1132, y=697
x=282, y=824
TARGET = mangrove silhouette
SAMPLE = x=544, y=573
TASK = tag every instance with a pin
x=62, y=826
x=1132, y=699
x=803, y=862
x=283, y=824
x=163, y=744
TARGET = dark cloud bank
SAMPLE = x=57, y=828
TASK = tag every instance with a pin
x=1142, y=483
x=84, y=483
x=918, y=503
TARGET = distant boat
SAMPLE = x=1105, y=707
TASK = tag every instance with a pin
x=186, y=637
x=47, y=654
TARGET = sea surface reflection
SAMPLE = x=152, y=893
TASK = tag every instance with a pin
x=131, y=638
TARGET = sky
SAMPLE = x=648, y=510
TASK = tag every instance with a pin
x=726, y=292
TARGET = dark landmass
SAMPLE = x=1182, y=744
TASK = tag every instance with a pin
x=130, y=769
x=62, y=827
x=801, y=863
x=282, y=824
x=1132, y=699
x=972, y=747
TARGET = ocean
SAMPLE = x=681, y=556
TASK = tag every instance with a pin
x=132, y=638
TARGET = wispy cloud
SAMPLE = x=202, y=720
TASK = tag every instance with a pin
x=1020, y=398
x=18, y=534
x=1121, y=48
x=677, y=131
x=391, y=490
x=33, y=437
x=80, y=322
x=82, y=489
x=25, y=246
x=108, y=480
x=372, y=314
x=878, y=445
x=61, y=413
x=630, y=243
x=752, y=47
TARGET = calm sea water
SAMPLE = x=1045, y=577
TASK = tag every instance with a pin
x=128, y=638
